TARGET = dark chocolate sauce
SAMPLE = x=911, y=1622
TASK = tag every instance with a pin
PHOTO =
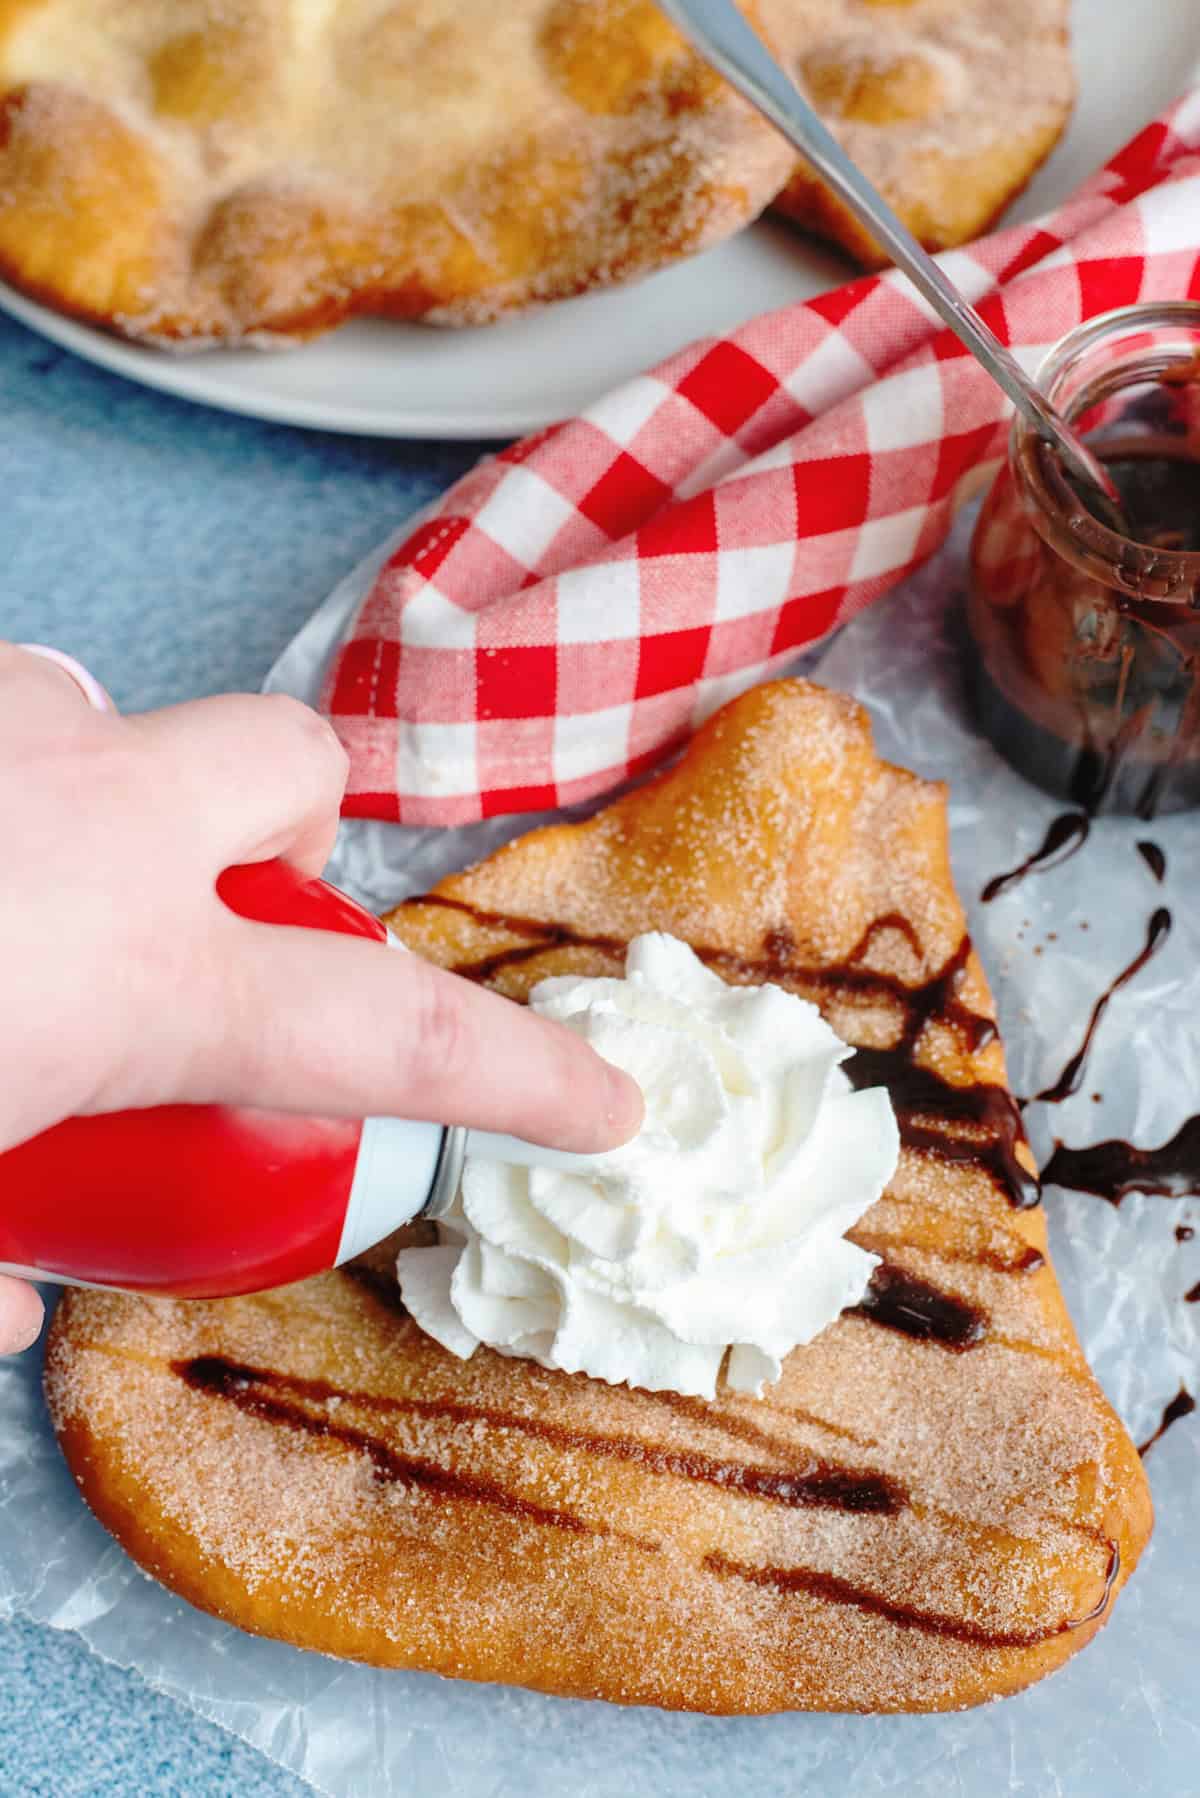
x=1192, y=1295
x=938, y=1002
x=1088, y=685
x=250, y=1389
x=1161, y=497
x=1071, y=1078
x=1184, y=1232
x=924, y=1102
x=1112, y=1170
x=935, y=999
x=890, y=920
x=1182, y=1405
x=900, y=1301
x=1155, y=859
x=383, y=1287
x=836, y=1590
x=281, y=1398
x=918, y=1094
x=1068, y=832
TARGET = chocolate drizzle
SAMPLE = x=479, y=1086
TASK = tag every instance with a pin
x=313, y=1407
x=901, y=1301
x=283, y=1398
x=1071, y=1078
x=1182, y=1405
x=1067, y=833
x=927, y=1106
x=252, y=1390
x=925, y=1103
x=542, y=936
x=1155, y=859
x=829, y=1586
x=1112, y=1170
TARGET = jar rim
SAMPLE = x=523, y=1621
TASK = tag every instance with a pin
x=1094, y=537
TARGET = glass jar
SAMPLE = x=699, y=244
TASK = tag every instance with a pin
x=1083, y=642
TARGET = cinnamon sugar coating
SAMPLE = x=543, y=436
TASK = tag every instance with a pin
x=196, y=171
x=949, y=106
x=935, y=1505
x=202, y=172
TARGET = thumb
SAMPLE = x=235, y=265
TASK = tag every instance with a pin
x=336, y=1026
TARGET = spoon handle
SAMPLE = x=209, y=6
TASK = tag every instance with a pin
x=724, y=38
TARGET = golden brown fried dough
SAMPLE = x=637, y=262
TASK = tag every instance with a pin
x=187, y=171
x=949, y=106
x=934, y=1506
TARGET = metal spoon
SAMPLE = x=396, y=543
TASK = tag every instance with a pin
x=724, y=39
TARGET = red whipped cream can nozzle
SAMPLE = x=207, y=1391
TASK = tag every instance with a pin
x=205, y=1201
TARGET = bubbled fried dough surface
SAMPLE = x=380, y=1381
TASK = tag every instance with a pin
x=934, y=1506
x=207, y=170
x=949, y=106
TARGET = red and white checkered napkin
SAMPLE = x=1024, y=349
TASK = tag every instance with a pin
x=576, y=605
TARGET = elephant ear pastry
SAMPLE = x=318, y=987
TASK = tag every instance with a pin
x=948, y=106
x=185, y=171
x=933, y=1507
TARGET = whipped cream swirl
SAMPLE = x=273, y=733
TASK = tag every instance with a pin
x=719, y=1230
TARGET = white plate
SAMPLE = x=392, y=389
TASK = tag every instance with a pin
x=388, y=380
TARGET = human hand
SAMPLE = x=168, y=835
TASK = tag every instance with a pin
x=128, y=983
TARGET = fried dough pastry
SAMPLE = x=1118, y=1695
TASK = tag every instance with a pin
x=191, y=171
x=934, y=1506
x=949, y=106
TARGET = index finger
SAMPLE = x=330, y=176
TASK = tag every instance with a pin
x=310, y=1021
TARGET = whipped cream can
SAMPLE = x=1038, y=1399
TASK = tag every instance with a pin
x=205, y=1201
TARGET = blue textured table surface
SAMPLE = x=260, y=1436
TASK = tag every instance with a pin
x=174, y=550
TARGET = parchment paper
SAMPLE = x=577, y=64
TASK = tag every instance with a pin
x=1124, y=1716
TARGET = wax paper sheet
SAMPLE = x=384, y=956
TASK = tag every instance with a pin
x=1124, y=1716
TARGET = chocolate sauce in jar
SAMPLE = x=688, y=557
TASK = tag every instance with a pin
x=1159, y=484
x=1082, y=659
